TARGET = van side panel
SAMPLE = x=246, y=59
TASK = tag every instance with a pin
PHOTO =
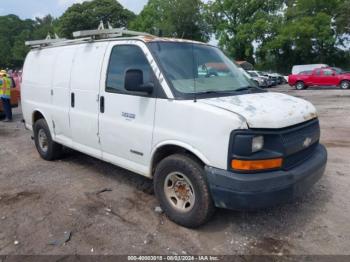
x=61, y=94
x=85, y=81
x=36, y=84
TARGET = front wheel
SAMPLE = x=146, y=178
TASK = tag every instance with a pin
x=300, y=85
x=181, y=188
x=47, y=148
x=345, y=84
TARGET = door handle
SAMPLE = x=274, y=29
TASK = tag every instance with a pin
x=102, y=104
x=72, y=99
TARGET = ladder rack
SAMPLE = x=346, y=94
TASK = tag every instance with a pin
x=86, y=35
x=108, y=33
x=45, y=42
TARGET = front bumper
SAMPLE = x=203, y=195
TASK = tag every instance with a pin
x=260, y=190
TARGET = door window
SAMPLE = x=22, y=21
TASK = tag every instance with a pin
x=123, y=58
x=327, y=72
x=318, y=72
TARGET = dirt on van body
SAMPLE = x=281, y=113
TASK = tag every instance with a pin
x=80, y=205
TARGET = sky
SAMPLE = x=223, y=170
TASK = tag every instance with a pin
x=39, y=8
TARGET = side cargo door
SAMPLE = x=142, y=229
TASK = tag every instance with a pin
x=61, y=94
x=127, y=118
x=84, y=90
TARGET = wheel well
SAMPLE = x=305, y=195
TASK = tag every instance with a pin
x=169, y=150
x=36, y=116
x=300, y=81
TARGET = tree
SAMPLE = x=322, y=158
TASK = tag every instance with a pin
x=44, y=26
x=174, y=18
x=87, y=16
x=307, y=34
x=277, y=34
x=241, y=24
x=11, y=30
x=343, y=18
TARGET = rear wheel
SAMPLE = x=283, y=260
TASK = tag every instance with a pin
x=345, y=84
x=300, y=85
x=47, y=148
x=181, y=188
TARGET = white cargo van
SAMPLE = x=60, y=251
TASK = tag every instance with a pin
x=208, y=138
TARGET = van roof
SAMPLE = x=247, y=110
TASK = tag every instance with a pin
x=103, y=35
x=145, y=39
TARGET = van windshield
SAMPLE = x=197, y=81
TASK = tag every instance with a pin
x=199, y=69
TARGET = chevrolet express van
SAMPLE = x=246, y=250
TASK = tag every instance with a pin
x=206, y=135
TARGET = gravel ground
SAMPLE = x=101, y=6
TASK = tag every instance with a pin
x=102, y=209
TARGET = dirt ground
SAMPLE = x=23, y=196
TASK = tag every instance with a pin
x=102, y=209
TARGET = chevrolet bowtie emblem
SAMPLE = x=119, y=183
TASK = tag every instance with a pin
x=307, y=142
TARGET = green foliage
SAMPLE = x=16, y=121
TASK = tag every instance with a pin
x=87, y=15
x=277, y=34
x=239, y=24
x=14, y=32
x=11, y=31
x=174, y=18
x=343, y=17
x=273, y=34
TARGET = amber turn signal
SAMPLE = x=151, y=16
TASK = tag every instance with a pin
x=251, y=165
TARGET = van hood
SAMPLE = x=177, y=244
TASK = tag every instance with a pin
x=266, y=110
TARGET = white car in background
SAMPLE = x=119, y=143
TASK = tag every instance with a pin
x=259, y=74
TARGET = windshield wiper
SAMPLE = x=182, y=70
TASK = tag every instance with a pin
x=246, y=88
x=215, y=92
x=228, y=92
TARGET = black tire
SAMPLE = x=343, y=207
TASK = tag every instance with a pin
x=300, y=85
x=54, y=150
x=345, y=84
x=203, y=207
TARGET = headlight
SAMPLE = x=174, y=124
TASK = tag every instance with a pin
x=257, y=143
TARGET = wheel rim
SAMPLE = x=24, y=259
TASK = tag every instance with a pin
x=300, y=86
x=179, y=192
x=345, y=85
x=42, y=140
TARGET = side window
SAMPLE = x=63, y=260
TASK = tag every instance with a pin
x=123, y=58
x=318, y=72
x=327, y=72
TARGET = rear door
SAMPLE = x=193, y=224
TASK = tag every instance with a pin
x=84, y=91
x=127, y=118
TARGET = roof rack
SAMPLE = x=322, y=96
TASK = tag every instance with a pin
x=86, y=35
x=102, y=32
x=47, y=41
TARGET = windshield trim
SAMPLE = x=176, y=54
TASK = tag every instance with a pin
x=193, y=96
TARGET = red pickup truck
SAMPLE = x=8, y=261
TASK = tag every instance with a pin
x=326, y=76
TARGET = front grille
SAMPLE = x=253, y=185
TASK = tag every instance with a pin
x=293, y=160
x=300, y=143
x=301, y=137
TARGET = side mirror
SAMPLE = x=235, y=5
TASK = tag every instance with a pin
x=134, y=82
